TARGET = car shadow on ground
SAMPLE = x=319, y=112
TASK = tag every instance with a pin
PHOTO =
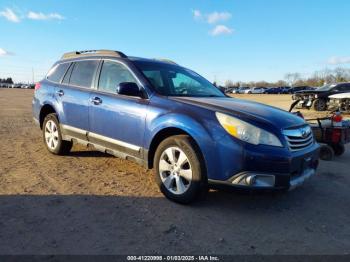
x=76, y=224
x=224, y=222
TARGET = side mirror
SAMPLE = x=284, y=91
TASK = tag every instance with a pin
x=128, y=89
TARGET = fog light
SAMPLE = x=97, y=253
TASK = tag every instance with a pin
x=253, y=180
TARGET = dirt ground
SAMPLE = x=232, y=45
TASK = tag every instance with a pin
x=93, y=203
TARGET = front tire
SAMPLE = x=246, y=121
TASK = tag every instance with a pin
x=179, y=169
x=53, y=138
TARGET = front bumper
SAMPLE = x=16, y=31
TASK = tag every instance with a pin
x=266, y=170
x=254, y=180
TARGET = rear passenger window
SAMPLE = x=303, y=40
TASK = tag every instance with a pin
x=112, y=74
x=56, y=73
x=83, y=73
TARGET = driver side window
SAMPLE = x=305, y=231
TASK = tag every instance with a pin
x=182, y=82
x=112, y=74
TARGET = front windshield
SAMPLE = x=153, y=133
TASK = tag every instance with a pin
x=173, y=80
x=325, y=88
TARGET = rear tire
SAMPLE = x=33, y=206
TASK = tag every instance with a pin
x=320, y=105
x=53, y=138
x=179, y=170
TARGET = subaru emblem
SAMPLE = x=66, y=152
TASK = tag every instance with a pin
x=303, y=133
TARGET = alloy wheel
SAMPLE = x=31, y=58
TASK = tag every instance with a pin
x=51, y=134
x=175, y=170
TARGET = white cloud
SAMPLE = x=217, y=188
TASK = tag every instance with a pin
x=211, y=18
x=221, y=30
x=10, y=15
x=216, y=17
x=337, y=60
x=41, y=16
x=197, y=14
x=3, y=52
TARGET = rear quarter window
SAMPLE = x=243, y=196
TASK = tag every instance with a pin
x=56, y=73
x=83, y=73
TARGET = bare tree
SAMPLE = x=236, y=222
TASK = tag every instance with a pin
x=229, y=83
x=318, y=78
x=292, y=77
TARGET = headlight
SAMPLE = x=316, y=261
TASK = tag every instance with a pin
x=316, y=96
x=247, y=132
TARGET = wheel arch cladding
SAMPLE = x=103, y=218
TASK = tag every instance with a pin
x=164, y=133
x=45, y=110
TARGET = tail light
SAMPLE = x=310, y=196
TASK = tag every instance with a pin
x=37, y=86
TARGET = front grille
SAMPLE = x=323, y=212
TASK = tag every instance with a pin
x=299, y=138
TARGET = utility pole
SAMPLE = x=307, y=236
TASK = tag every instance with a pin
x=32, y=75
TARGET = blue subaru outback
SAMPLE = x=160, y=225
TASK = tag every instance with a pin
x=171, y=119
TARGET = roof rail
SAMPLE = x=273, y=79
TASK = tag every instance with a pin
x=77, y=54
x=166, y=60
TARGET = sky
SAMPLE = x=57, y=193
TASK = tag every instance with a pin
x=240, y=40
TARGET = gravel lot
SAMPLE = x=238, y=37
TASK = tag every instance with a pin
x=93, y=203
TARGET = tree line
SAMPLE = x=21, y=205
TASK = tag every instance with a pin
x=318, y=78
x=6, y=80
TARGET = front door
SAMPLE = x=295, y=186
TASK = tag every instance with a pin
x=117, y=121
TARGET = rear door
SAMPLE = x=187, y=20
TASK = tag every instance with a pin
x=73, y=96
x=117, y=121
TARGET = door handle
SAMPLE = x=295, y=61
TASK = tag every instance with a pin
x=60, y=92
x=96, y=100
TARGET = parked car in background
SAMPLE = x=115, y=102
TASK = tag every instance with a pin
x=285, y=89
x=234, y=90
x=257, y=90
x=319, y=98
x=340, y=102
x=244, y=90
x=170, y=119
x=274, y=90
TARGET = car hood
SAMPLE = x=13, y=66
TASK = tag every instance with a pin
x=247, y=110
